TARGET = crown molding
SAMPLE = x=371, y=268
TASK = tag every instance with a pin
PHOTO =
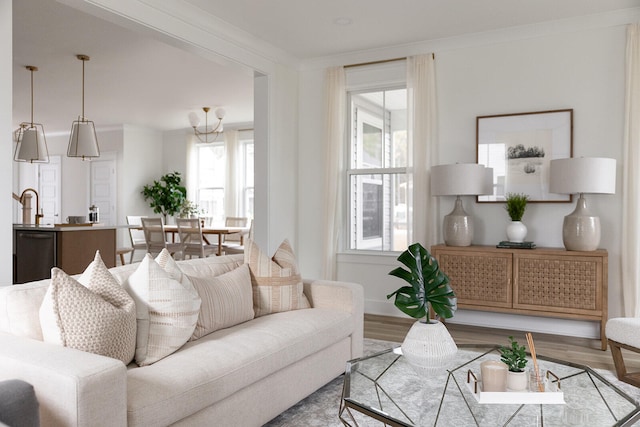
x=523, y=32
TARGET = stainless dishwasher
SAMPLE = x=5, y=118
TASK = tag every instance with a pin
x=34, y=255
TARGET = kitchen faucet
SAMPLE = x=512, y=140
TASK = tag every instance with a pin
x=38, y=214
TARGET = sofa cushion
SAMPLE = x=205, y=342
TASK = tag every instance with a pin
x=167, y=308
x=226, y=301
x=92, y=314
x=20, y=309
x=277, y=284
x=207, y=370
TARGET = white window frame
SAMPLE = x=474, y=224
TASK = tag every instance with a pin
x=211, y=218
x=364, y=115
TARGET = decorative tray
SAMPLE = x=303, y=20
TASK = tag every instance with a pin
x=552, y=394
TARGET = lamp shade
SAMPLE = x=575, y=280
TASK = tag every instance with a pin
x=461, y=179
x=83, y=141
x=194, y=119
x=32, y=145
x=583, y=175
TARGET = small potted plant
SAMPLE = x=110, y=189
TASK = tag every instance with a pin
x=515, y=357
x=428, y=344
x=516, y=205
x=190, y=209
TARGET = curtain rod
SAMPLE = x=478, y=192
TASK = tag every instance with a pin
x=382, y=61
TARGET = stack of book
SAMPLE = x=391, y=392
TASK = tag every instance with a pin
x=505, y=244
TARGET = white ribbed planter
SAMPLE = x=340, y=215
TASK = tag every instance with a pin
x=428, y=346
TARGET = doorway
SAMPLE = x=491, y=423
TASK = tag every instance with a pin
x=103, y=187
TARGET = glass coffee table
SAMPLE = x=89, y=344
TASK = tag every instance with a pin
x=384, y=387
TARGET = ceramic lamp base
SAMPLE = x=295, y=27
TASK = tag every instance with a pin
x=581, y=229
x=457, y=228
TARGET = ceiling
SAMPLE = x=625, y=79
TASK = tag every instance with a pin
x=135, y=79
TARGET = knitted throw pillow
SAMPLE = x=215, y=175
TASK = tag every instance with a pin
x=277, y=285
x=93, y=314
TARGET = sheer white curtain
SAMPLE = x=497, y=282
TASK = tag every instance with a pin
x=631, y=178
x=233, y=173
x=335, y=111
x=422, y=135
x=191, y=178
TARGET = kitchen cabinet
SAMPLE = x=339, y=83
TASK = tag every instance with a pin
x=36, y=249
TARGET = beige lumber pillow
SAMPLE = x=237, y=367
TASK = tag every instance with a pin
x=93, y=314
x=227, y=300
x=167, y=307
x=277, y=285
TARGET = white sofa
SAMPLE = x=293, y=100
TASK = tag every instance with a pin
x=244, y=375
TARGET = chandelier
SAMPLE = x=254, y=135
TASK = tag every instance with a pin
x=203, y=135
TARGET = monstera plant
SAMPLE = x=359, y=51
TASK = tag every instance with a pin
x=428, y=286
x=428, y=346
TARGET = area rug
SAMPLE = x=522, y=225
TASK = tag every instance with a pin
x=321, y=408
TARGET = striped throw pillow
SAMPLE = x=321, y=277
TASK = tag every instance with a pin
x=167, y=307
x=276, y=281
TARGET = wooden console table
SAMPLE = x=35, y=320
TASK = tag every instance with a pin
x=549, y=282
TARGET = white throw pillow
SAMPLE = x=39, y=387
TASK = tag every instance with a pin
x=277, y=284
x=92, y=314
x=226, y=300
x=167, y=307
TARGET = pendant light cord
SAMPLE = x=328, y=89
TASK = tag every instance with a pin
x=83, y=58
x=83, y=89
x=32, y=69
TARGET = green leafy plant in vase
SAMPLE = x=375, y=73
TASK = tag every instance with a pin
x=166, y=196
x=428, y=345
x=515, y=357
x=516, y=206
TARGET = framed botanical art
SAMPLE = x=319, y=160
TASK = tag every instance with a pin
x=519, y=147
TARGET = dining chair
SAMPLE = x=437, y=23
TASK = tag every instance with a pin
x=193, y=244
x=234, y=239
x=136, y=236
x=156, y=239
x=238, y=249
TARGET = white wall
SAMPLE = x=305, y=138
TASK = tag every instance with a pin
x=6, y=172
x=141, y=164
x=580, y=69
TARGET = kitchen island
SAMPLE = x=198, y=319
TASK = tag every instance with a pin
x=38, y=248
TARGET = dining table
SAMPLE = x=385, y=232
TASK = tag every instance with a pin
x=220, y=231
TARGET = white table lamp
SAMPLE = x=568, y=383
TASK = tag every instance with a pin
x=461, y=179
x=581, y=229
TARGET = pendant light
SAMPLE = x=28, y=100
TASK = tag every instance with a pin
x=31, y=145
x=83, y=141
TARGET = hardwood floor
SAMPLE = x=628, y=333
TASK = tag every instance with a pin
x=579, y=350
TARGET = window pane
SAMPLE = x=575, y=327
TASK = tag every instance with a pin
x=211, y=166
x=248, y=202
x=378, y=212
x=379, y=129
x=211, y=200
